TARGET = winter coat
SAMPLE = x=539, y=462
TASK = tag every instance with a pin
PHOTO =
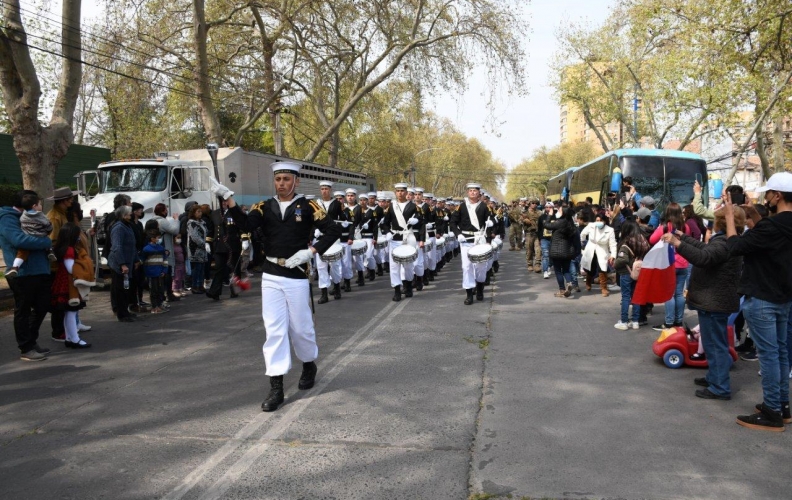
x=715, y=276
x=601, y=244
x=562, y=245
x=12, y=238
x=196, y=241
x=123, y=249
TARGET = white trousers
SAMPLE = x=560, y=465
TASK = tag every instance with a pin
x=346, y=261
x=369, y=260
x=286, y=309
x=329, y=272
x=471, y=272
x=431, y=257
x=420, y=262
x=399, y=272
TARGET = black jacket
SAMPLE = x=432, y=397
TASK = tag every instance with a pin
x=562, y=244
x=767, y=252
x=460, y=220
x=715, y=276
x=371, y=216
x=390, y=222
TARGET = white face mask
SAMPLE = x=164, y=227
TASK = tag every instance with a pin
x=599, y=224
x=558, y=214
x=159, y=241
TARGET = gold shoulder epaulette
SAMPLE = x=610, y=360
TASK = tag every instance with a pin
x=319, y=211
x=259, y=207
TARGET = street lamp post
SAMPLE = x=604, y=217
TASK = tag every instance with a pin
x=412, y=168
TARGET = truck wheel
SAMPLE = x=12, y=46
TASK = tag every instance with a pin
x=673, y=358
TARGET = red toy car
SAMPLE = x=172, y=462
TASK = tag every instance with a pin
x=676, y=345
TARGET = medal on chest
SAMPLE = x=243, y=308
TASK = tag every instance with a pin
x=298, y=214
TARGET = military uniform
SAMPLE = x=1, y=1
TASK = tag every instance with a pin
x=515, y=229
x=329, y=273
x=226, y=245
x=466, y=223
x=394, y=224
x=533, y=249
x=369, y=232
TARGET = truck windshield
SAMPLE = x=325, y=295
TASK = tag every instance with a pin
x=134, y=178
x=666, y=179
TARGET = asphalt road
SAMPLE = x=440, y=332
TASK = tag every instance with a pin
x=522, y=395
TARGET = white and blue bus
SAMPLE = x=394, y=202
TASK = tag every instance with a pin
x=664, y=174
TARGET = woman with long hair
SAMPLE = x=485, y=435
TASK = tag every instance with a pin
x=632, y=246
x=562, y=248
x=673, y=220
x=197, y=247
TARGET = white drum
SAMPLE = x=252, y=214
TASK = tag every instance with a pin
x=440, y=242
x=333, y=254
x=480, y=253
x=428, y=246
x=383, y=243
x=404, y=254
x=358, y=247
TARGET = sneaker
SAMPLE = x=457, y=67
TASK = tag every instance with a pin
x=83, y=328
x=635, y=325
x=41, y=350
x=785, y=415
x=746, y=346
x=749, y=356
x=702, y=381
x=568, y=290
x=621, y=326
x=32, y=355
x=707, y=394
x=12, y=272
x=660, y=327
x=157, y=310
x=143, y=304
x=547, y=275
x=59, y=338
x=643, y=322
x=698, y=357
x=765, y=420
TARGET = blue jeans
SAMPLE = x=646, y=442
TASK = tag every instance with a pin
x=675, y=307
x=545, y=245
x=197, y=274
x=561, y=268
x=574, y=269
x=769, y=329
x=627, y=285
x=715, y=339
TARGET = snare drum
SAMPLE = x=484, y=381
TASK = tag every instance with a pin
x=383, y=243
x=358, y=247
x=440, y=242
x=333, y=254
x=428, y=246
x=404, y=254
x=480, y=253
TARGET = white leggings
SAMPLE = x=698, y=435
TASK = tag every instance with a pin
x=70, y=325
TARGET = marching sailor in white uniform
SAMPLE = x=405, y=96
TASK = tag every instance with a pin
x=468, y=224
x=355, y=217
x=329, y=272
x=402, y=226
x=369, y=231
x=280, y=228
x=347, y=234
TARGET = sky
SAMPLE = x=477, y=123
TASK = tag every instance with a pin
x=531, y=121
x=525, y=123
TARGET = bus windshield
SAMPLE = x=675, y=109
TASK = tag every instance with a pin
x=649, y=172
x=134, y=178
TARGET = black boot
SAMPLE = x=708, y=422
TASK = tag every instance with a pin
x=308, y=376
x=487, y=281
x=379, y=269
x=371, y=275
x=419, y=282
x=337, y=291
x=386, y=265
x=408, y=288
x=469, y=298
x=275, y=397
x=361, y=281
x=347, y=286
x=431, y=276
x=324, y=297
x=495, y=266
x=426, y=278
x=396, y=293
x=480, y=291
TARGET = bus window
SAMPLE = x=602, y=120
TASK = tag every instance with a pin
x=647, y=174
x=680, y=175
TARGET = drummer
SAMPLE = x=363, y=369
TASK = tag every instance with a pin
x=421, y=274
x=281, y=227
x=468, y=224
x=369, y=229
x=398, y=222
x=384, y=253
x=347, y=233
x=441, y=221
x=328, y=272
x=355, y=216
x=430, y=223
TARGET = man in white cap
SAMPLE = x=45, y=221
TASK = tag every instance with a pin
x=376, y=256
x=347, y=235
x=384, y=252
x=329, y=273
x=369, y=232
x=468, y=224
x=280, y=228
x=398, y=223
x=355, y=216
x=421, y=276
x=430, y=261
x=766, y=283
x=441, y=222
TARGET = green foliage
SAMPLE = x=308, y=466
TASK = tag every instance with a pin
x=530, y=176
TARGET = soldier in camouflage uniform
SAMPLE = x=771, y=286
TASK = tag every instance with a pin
x=515, y=227
x=533, y=250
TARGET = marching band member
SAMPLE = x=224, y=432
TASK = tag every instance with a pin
x=355, y=216
x=328, y=272
x=431, y=237
x=421, y=276
x=369, y=226
x=401, y=219
x=470, y=220
x=378, y=212
x=385, y=203
x=280, y=228
x=441, y=218
x=347, y=235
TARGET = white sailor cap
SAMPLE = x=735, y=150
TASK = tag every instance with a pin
x=351, y=191
x=286, y=167
x=473, y=185
x=429, y=195
x=338, y=193
x=441, y=200
x=400, y=185
x=419, y=190
x=325, y=184
x=523, y=199
x=411, y=190
x=371, y=194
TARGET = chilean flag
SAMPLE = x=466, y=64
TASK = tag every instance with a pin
x=657, y=280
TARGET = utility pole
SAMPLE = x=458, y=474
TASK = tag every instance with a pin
x=636, y=105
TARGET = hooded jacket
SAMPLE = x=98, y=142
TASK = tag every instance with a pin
x=767, y=262
x=13, y=238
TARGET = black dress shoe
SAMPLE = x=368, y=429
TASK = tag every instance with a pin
x=213, y=296
x=78, y=345
x=308, y=376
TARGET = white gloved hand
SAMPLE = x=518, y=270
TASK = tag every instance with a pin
x=208, y=247
x=445, y=218
x=245, y=245
x=412, y=221
x=389, y=236
x=489, y=223
x=220, y=190
x=299, y=258
x=498, y=241
x=494, y=245
x=345, y=224
x=317, y=233
x=430, y=225
x=364, y=226
x=461, y=238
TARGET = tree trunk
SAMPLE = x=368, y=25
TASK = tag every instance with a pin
x=206, y=107
x=778, y=144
